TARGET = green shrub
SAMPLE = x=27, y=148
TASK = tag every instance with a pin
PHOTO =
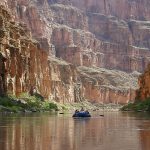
x=26, y=102
x=24, y=95
x=138, y=106
x=15, y=109
x=5, y=101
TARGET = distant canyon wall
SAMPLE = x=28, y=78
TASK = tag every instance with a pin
x=117, y=38
x=124, y=9
x=90, y=32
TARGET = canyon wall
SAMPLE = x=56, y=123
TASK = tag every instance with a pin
x=95, y=31
x=125, y=9
x=107, y=40
x=89, y=34
x=23, y=64
x=144, y=87
x=107, y=86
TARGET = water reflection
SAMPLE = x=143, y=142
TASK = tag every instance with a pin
x=114, y=131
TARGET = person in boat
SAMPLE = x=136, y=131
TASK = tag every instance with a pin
x=82, y=109
x=87, y=112
x=76, y=111
x=81, y=113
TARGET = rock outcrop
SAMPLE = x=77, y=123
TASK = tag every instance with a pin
x=144, y=87
x=63, y=81
x=114, y=42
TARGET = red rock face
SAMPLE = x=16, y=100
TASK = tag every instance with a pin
x=3, y=84
x=144, y=87
x=63, y=79
x=144, y=136
x=23, y=64
x=125, y=9
x=28, y=12
x=113, y=43
x=66, y=24
x=107, y=86
x=111, y=34
x=69, y=16
x=26, y=64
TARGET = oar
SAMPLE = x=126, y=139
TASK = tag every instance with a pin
x=103, y=111
x=61, y=113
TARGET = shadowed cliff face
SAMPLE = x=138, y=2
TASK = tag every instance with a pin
x=107, y=34
x=23, y=64
x=144, y=87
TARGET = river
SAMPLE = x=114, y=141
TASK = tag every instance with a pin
x=49, y=131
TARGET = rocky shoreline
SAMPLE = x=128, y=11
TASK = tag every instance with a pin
x=138, y=106
x=30, y=104
x=93, y=106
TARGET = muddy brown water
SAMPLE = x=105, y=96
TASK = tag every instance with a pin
x=50, y=131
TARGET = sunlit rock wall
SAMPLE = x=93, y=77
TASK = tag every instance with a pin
x=107, y=86
x=86, y=32
x=110, y=39
x=93, y=33
x=23, y=64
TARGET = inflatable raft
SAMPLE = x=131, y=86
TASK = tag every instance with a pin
x=81, y=114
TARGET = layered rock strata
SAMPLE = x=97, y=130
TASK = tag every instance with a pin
x=26, y=64
x=125, y=9
x=89, y=33
x=112, y=42
x=23, y=64
x=107, y=86
x=144, y=87
x=63, y=26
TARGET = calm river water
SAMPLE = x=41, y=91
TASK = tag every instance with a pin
x=46, y=131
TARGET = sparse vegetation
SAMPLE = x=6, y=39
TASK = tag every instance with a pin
x=138, y=106
x=25, y=103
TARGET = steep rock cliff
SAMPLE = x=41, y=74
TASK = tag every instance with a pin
x=23, y=64
x=93, y=33
x=125, y=9
x=113, y=42
x=144, y=87
x=107, y=86
x=121, y=26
